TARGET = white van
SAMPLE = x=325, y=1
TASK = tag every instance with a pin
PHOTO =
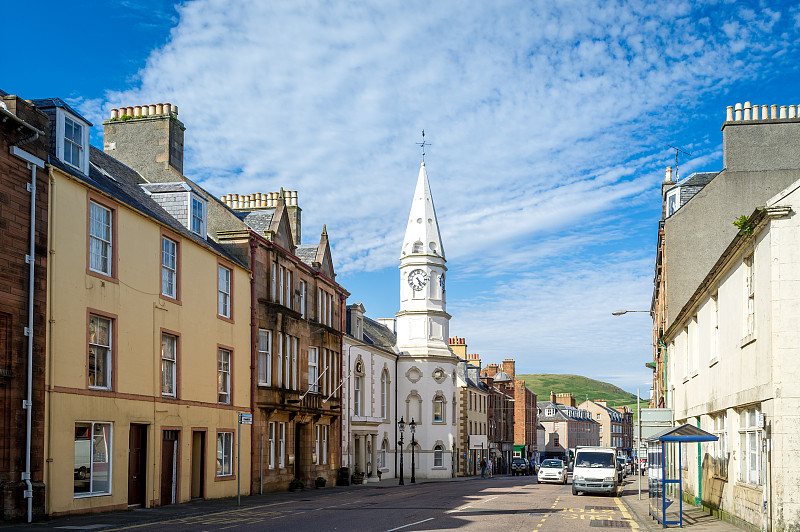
x=595, y=470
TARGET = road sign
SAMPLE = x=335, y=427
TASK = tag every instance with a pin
x=245, y=419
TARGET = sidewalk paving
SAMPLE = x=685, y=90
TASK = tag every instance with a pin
x=693, y=518
x=143, y=516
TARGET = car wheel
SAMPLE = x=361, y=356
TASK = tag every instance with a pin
x=574, y=491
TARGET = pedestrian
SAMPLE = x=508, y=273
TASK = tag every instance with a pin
x=491, y=468
x=483, y=467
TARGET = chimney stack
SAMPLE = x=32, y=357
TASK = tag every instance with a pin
x=508, y=367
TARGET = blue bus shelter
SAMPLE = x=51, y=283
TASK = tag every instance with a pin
x=658, y=481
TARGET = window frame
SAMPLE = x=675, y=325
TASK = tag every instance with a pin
x=111, y=275
x=749, y=446
x=196, y=199
x=229, y=374
x=271, y=462
x=229, y=268
x=176, y=296
x=748, y=263
x=109, y=446
x=280, y=360
x=313, y=376
x=264, y=358
x=230, y=437
x=438, y=399
x=438, y=455
x=281, y=444
x=175, y=363
x=111, y=359
x=61, y=116
x=357, y=400
x=303, y=299
x=324, y=444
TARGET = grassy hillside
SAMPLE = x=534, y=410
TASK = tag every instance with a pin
x=543, y=383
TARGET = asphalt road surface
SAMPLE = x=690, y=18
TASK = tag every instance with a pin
x=503, y=503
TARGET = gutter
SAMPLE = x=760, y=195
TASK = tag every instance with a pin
x=27, y=403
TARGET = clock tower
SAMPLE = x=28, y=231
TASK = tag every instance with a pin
x=422, y=322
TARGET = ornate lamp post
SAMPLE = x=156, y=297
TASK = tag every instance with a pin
x=402, y=426
x=413, y=427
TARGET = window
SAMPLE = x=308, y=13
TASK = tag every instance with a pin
x=264, y=357
x=749, y=440
x=73, y=142
x=288, y=288
x=169, y=268
x=287, y=361
x=549, y=411
x=720, y=447
x=224, y=376
x=318, y=432
x=357, y=395
x=281, y=277
x=224, y=454
x=437, y=456
x=100, y=233
x=198, y=222
x=295, y=365
x=320, y=307
x=325, y=444
x=280, y=360
x=749, y=282
x=694, y=344
x=384, y=393
x=92, y=459
x=224, y=289
x=274, y=281
x=313, y=356
x=555, y=441
x=100, y=352
x=672, y=201
x=438, y=409
x=303, y=299
x=281, y=443
x=382, y=456
x=271, y=458
x=169, y=348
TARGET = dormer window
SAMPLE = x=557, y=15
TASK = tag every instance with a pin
x=550, y=412
x=72, y=140
x=198, y=216
x=673, y=198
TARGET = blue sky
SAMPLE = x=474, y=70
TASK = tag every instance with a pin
x=548, y=122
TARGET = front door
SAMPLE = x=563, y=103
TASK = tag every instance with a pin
x=198, y=464
x=169, y=466
x=137, y=457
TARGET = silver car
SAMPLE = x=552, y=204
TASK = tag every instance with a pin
x=553, y=470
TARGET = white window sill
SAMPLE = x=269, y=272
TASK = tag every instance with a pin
x=87, y=495
x=442, y=468
x=755, y=487
x=713, y=362
x=747, y=340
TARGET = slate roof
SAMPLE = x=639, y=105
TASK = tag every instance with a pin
x=308, y=254
x=501, y=376
x=692, y=185
x=258, y=221
x=562, y=413
x=157, y=188
x=379, y=335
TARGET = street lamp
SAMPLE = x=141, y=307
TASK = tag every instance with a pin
x=402, y=426
x=621, y=312
x=413, y=427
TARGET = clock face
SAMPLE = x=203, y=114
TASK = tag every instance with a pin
x=417, y=279
x=359, y=367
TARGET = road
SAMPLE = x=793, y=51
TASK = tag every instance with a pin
x=503, y=502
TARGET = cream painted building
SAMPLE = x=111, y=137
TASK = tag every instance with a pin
x=148, y=339
x=427, y=369
x=611, y=422
x=369, y=393
x=473, y=411
x=732, y=370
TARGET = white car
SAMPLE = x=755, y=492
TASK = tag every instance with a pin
x=552, y=470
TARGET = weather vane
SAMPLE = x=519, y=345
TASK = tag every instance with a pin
x=423, y=144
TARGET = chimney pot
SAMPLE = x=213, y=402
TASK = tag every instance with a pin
x=773, y=111
x=129, y=111
x=792, y=111
x=729, y=114
x=159, y=108
x=167, y=107
x=175, y=110
x=737, y=112
x=783, y=111
x=668, y=175
x=114, y=114
x=152, y=107
x=747, y=110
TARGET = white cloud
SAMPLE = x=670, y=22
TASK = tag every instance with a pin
x=543, y=116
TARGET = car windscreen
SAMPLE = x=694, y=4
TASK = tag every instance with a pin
x=553, y=463
x=591, y=459
x=518, y=461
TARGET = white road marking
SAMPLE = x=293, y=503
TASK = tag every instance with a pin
x=490, y=499
x=410, y=524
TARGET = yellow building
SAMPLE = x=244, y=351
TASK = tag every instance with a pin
x=148, y=336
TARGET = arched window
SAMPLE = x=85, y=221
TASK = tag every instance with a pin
x=384, y=394
x=438, y=456
x=438, y=409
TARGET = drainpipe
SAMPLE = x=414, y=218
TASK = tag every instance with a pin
x=396, y=381
x=27, y=404
x=253, y=370
x=699, y=500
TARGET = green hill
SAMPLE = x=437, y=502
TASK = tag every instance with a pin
x=543, y=383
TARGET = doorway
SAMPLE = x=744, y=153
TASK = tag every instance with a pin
x=137, y=464
x=298, y=461
x=169, y=466
x=198, y=464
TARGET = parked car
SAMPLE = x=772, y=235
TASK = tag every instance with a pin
x=596, y=470
x=552, y=470
x=519, y=466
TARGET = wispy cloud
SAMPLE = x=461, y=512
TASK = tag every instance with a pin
x=544, y=117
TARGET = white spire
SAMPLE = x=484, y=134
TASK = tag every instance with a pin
x=422, y=233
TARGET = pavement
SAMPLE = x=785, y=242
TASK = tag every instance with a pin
x=693, y=518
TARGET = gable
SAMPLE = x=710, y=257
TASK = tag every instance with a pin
x=280, y=228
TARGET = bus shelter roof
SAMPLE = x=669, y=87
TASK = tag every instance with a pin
x=684, y=433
